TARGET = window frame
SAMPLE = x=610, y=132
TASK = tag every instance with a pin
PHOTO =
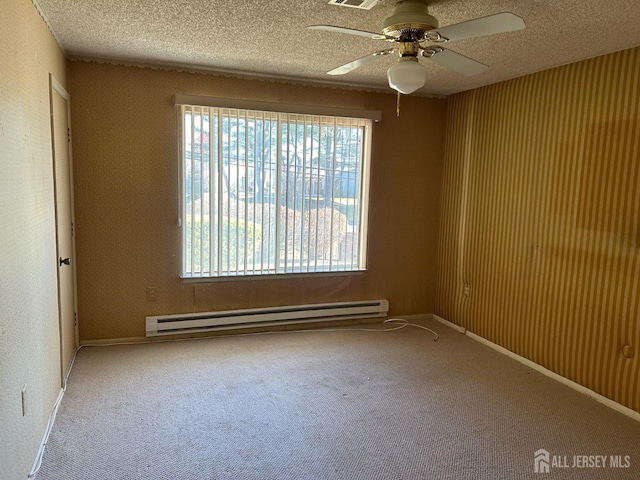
x=366, y=119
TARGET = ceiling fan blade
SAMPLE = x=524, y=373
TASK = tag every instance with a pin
x=349, y=31
x=456, y=62
x=498, y=23
x=348, y=67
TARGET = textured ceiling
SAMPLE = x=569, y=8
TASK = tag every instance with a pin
x=269, y=39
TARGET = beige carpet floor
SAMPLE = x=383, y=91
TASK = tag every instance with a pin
x=346, y=405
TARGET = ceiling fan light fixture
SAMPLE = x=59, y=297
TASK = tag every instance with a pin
x=407, y=76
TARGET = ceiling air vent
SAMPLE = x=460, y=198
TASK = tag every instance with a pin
x=362, y=4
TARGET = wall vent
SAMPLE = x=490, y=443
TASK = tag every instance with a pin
x=361, y=4
x=263, y=317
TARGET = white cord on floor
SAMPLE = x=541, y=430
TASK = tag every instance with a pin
x=38, y=461
x=404, y=323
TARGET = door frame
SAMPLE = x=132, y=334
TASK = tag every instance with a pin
x=55, y=87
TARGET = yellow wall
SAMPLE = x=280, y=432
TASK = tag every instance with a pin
x=29, y=341
x=541, y=219
x=126, y=165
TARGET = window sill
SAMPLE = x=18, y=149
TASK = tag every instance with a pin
x=278, y=276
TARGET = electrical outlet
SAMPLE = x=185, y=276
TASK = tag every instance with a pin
x=23, y=398
x=152, y=294
x=467, y=289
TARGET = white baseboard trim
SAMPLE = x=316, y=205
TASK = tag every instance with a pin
x=539, y=368
x=449, y=324
x=43, y=442
x=52, y=418
x=113, y=341
x=413, y=317
x=284, y=328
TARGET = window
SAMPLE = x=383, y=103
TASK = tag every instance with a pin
x=272, y=193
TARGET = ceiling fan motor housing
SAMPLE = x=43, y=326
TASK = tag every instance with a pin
x=409, y=19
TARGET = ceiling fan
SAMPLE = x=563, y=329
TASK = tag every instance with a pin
x=417, y=34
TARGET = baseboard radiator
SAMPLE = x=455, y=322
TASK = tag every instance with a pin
x=264, y=317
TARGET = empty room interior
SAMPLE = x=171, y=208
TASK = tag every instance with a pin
x=320, y=240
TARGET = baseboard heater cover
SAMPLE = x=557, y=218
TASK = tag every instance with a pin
x=263, y=317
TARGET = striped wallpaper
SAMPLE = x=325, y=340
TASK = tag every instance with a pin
x=540, y=231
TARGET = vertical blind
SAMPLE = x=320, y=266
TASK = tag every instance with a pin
x=272, y=193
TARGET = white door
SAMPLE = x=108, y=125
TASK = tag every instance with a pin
x=63, y=184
